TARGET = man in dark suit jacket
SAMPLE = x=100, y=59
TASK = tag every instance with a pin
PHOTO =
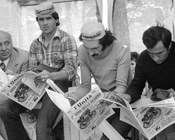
x=14, y=61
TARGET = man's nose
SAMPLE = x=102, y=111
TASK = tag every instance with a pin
x=3, y=47
x=155, y=57
x=90, y=52
x=45, y=21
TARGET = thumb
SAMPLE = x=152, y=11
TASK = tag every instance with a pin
x=125, y=96
x=171, y=92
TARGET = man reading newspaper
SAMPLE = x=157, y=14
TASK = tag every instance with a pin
x=108, y=61
x=155, y=66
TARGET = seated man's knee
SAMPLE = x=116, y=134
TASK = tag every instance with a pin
x=11, y=109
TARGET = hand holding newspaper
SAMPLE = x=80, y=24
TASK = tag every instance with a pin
x=29, y=80
x=23, y=89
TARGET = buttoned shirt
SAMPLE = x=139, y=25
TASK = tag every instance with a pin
x=60, y=52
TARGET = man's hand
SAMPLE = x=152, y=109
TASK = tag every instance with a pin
x=9, y=72
x=42, y=76
x=162, y=94
x=171, y=93
x=125, y=96
x=71, y=100
x=106, y=94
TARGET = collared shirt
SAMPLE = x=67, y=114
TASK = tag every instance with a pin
x=60, y=52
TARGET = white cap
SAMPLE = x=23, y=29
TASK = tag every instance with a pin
x=92, y=31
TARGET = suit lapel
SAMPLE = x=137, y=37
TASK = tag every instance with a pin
x=13, y=63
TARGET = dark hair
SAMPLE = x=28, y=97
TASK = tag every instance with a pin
x=155, y=34
x=105, y=41
x=55, y=16
x=134, y=56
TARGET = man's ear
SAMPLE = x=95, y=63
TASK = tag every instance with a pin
x=169, y=47
x=57, y=22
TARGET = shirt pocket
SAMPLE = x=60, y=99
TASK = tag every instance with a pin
x=57, y=60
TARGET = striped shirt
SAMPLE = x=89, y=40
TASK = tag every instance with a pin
x=61, y=52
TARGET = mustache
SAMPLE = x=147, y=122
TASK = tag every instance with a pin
x=95, y=54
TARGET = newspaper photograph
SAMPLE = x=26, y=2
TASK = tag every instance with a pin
x=23, y=93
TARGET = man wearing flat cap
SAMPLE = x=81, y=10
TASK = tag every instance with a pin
x=54, y=54
x=108, y=62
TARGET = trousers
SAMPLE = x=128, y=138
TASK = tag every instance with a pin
x=121, y=127
x=10, y=114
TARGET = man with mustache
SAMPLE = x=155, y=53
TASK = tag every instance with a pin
x=108, y=62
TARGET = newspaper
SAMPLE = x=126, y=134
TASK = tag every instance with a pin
x=24, y=90
x=87, y=113
x=149, y=118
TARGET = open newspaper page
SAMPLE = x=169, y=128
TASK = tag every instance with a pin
x=87, y=113
x=90, y=111
x=150, y=118
x=155, y=117
x=21, y=92
x=126, y=112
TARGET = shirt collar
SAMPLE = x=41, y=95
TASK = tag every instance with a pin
x=57, y=34
x=5, y=61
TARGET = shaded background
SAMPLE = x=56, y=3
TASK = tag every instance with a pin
x=20, y=20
